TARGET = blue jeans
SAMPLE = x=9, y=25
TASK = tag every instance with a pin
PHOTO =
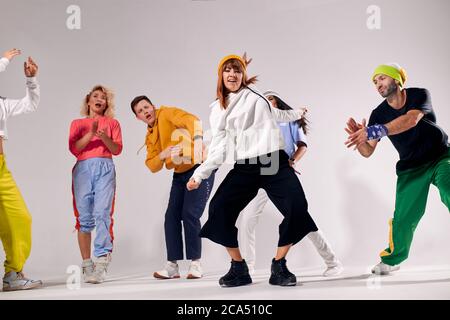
x=187, y=207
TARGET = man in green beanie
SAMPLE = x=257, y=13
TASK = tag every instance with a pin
x=407, y=118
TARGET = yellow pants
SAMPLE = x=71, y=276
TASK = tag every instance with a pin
x=15, y=222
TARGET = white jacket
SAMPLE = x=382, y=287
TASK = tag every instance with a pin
x=10, y=107
x=247, y=128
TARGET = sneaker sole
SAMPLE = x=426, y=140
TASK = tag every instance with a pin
x=95, y=281
x=383, y=273
x=245, y=282
x=334, y=274
x=8, y=289
x=191, y=276
x=158, y=276
x=234, y=285
x=289, y=284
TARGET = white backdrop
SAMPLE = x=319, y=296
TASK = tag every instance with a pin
x=318, y=53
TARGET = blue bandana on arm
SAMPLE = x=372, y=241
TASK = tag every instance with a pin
x=376, y=132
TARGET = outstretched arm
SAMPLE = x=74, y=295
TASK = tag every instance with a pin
x=363, y=138
x=288, y=115
x=31, y=100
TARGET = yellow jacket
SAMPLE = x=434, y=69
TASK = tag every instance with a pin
x=172, y=126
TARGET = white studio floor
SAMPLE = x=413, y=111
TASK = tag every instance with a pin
x=355, y=283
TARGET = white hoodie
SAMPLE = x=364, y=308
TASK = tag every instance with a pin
x=247, y=127
x=10, y=107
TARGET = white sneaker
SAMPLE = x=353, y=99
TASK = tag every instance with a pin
x=13, y=281
x=195, y=270
x=333, y=270
x=323, y=247
x=100, y=269
x=87, y=267
x=384, y=269
x=170, y=271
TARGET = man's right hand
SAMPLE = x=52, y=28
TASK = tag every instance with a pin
x=358, y=138
x=10, y=54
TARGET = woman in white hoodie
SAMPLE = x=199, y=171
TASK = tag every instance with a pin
x=244, y=125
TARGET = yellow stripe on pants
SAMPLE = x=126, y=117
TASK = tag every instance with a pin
x=15, y=222
x=386, y=253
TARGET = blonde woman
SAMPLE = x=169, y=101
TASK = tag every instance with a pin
x=93, y=140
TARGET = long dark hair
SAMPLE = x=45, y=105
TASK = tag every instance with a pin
x=302, y=123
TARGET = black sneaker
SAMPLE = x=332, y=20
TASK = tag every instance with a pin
x=237, y=275
x=281, y=276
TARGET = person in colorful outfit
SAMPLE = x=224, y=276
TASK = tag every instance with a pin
x=175, y=139
x=15, y=220
x=93, y=140
x=294, y=135
x=407, y=118
x=244, y=125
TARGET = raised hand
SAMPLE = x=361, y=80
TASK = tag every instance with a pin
x=30, y=68
x=11, y=53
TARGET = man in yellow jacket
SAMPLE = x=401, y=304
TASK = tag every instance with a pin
x=175, y=139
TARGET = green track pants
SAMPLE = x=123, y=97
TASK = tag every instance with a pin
x=410, y=202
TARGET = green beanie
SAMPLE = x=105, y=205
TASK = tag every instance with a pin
x=394, y=71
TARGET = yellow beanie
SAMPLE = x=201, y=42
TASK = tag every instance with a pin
x=392, y=70
x=229, y=57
